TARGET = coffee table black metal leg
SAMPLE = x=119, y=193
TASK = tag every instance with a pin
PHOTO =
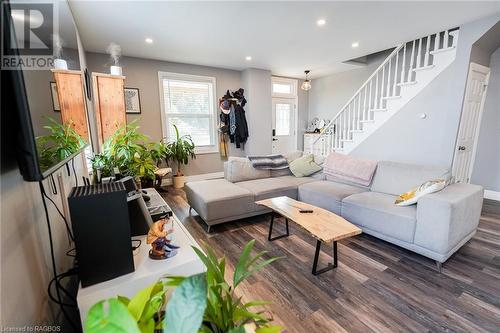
x=269, y=237
x=330, y=266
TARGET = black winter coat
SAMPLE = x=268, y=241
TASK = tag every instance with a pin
x=241, y=134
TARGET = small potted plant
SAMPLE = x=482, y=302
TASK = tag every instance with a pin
x=180, y=150
x=142, y=166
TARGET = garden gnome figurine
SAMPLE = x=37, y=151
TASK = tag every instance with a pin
x=160, y=244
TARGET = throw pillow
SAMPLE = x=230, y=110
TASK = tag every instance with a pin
x=410, y=198
x=304, y=166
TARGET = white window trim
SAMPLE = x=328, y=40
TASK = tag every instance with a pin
x=282, y=80
x=198, y=78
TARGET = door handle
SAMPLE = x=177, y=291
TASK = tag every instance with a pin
x=461, y=147
x=275, y=139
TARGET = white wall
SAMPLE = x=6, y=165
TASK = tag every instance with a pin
x=257, y=85
x=486, y=170
x=143, y=74
x=407, y=138
x=330, y=93
x=25, y=262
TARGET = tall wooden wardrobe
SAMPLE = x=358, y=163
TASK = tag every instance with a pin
x=71, y=95
x=109, y=107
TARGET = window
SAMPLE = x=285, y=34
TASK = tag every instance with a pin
x=283, y=113
x=283, y=87
x=188, y=102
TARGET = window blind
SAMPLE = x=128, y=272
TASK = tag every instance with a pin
x=189, y=105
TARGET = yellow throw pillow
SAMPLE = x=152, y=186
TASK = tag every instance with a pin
x=410, y=198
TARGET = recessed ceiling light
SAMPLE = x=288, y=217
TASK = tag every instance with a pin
x=355, y=44
x=149, y=40
x=321, y=22
x=248, y=58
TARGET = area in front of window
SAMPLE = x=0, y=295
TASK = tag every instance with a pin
x=189, y=104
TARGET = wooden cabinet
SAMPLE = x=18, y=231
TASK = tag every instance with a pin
x=109, y=107
x=71, y=97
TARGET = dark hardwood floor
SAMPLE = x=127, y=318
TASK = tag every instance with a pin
x=377, y=287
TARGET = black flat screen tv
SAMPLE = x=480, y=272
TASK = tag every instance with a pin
x=28, y=103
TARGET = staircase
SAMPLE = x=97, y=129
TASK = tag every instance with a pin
x=405, y=72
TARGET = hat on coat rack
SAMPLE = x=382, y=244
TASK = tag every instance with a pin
x=225, y=106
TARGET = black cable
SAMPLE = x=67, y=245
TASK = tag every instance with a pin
x=59, y=285
x=68, y=229
x=52, y=183
x=54, y=269
x=136, y=247
x=74, y=172
x=67, y=169
x=71, y=255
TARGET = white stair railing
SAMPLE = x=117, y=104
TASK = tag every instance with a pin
x=385, y=83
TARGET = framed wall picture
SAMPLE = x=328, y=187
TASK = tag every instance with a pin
x=55, y=97
x=132, y=101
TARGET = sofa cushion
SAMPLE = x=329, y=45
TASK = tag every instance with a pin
x=377, y=212
x=270, y=188
x=290, y=156
x=304, y=166
x=297, y=180
x=238, y=169
x=326, y=194
x=218, y=198
x=396, y=178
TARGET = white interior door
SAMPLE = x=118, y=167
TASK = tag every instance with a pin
x=284, y=125
x=470, y=121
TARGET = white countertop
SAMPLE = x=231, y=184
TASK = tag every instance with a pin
x=147, y=270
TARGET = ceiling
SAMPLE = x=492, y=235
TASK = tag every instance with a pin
x=280, y=36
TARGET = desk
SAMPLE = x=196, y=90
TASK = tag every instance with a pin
x=147, y=271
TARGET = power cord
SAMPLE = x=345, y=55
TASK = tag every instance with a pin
x=68, y=229
x=57, y=281
x=74, y=172
x=75, y=327
x=138, y=246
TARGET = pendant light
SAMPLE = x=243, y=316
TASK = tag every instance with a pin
x=306, y=85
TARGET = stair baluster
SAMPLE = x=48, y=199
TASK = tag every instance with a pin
x=375, y=96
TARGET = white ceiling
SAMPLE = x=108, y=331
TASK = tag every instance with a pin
x=280, y=36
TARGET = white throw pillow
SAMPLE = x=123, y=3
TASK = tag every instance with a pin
x=410, y=198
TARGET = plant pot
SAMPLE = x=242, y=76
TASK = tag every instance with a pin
x=146, y=183
x=178, y=181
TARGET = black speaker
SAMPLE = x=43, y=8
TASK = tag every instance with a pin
x=101, y=226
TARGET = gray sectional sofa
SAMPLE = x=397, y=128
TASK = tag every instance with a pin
x=436, y=227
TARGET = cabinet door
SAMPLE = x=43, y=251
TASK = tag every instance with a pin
x=110, y=105
x=72, y=101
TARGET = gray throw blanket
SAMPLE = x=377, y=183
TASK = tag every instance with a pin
x=269, y=162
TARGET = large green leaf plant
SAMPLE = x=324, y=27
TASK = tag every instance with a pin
x=131, y=152
x=202, y=303
x=61, y=142
x=181, y=149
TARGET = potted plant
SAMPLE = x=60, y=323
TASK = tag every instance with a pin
x=63, y=141
x=181, y=149
x=142, y=166
x=202, y=303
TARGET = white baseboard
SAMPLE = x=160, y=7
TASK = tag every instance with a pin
x=192, y=178
x=492, y=195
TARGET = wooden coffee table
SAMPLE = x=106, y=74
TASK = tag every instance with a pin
x=323, y=225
